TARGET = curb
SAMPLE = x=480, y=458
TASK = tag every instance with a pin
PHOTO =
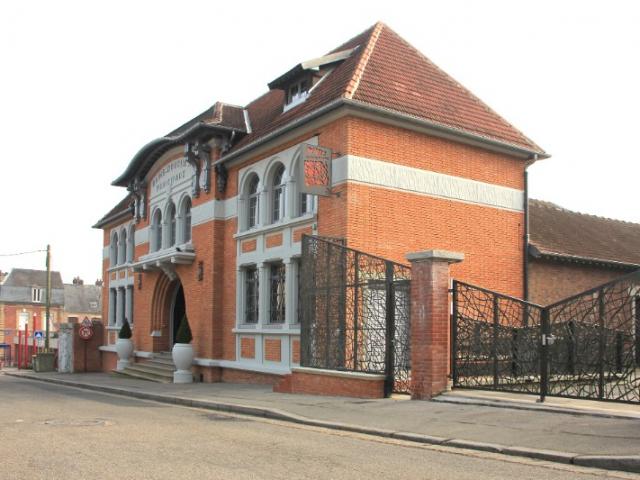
x=630, y=463
x=483, y=402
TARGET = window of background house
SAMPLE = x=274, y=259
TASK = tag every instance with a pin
x=36, y=295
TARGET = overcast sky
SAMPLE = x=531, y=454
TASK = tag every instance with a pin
x=84, y=85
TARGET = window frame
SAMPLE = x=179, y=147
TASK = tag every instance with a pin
x=156, y=230
x=278, y=193
x=185, y=219
x=171, y=224
x=253, y=202
x=251, y=289
x=277, y=293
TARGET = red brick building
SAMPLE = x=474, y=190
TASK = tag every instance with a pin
x=215, y=210
x=571, y=252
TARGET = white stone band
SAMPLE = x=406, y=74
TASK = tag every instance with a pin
x=350, y=168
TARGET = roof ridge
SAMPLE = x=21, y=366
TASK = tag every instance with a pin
x=354, y=83
x=472, y=95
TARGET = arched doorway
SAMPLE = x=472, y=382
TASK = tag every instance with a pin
x=176, y=312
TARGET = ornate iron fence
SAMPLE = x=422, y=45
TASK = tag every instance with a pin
x=595, y=352
x=586, y=346
x=355, y=312
x=496, y=341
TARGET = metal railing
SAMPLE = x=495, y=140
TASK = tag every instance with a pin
x=355, y=312
x=586, y=346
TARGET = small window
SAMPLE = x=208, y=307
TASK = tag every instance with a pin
x=36, y=295
x=277, y=199
x=171, y=213
x=156, y=229
x=131, y=244
x=297, y=93
x=186, y=219
x=307, y=203
x=251, y=287
x=113, y=250
x=93, y=305
x=122, y=247
x=253, y=209
x=277, y=293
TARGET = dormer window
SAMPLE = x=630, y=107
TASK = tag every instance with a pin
x=297, y=93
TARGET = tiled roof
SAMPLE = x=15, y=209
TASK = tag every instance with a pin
x=82, y=298
x=383, y=72
x=221, y=114
x=22, y=277
x=564, y=234
x=387, y=72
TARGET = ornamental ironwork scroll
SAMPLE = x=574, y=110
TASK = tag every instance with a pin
x=314, y=174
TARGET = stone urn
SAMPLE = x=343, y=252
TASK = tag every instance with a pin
x=182, y=354
x=124, y=349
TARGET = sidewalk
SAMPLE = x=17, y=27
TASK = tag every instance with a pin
x=600, y=436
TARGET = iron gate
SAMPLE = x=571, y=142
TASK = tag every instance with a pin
x=586, y=346
x=355, y=312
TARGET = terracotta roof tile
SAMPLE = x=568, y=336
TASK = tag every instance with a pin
x=399, y=77
x=388, y=72
x=556, y=231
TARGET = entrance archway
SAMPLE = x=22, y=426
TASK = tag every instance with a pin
x=176, y=312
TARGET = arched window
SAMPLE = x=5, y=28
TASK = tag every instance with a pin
x=171, y=220
x=131, y=244
x=185, y=214
x=277, y=194
x=253, y=207
x=113, y=250
x=156, y=230
x=122, y=247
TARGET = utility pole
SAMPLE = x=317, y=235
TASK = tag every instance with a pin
x=48, y=298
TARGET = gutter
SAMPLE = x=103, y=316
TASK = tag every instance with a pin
x=525, y=259
x=536, y=253
x=111, y=218
x=340, y=102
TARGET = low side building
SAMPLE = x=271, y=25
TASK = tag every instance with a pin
x=570, y=252
x=23, y=301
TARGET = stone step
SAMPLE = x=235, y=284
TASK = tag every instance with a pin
x=163, y=370
x=160, y=362
x=150, y=371
x=143, y=376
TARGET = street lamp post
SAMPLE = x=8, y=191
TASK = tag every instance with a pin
x=48, y=299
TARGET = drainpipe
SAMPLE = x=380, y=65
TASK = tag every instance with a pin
x=525, y=259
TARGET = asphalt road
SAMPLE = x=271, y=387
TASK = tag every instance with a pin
x=54, y=432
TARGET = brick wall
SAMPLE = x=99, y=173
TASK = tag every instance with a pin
x=551, y=281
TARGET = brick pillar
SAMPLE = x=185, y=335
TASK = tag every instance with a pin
x=430, y=321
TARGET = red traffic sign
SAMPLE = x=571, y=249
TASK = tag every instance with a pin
x=86, y=322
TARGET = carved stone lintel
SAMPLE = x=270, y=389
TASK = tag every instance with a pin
x=204, y=153
x=139, y=190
